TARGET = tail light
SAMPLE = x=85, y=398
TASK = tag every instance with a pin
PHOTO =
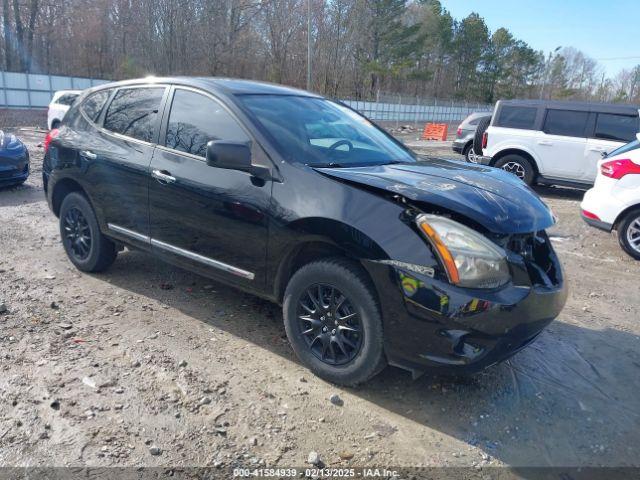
x=590, y=215
x=485, y=139
x=50, y=136
x=619, y=168
x=459, y=132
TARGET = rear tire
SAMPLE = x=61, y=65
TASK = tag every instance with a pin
x=519, y=166
x=87, y=248
x=629, y=233
x=351, y=334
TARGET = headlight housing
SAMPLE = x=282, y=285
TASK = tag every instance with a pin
x=469, y=258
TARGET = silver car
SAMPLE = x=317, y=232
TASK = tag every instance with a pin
x=463, y=144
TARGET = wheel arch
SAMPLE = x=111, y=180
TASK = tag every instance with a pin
x=324, y=238
x=61, y=189
x=623, y=213
x=516, y=151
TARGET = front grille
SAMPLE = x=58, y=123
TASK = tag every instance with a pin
x=539, y=257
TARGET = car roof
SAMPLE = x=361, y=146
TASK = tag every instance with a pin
x=575, y=106
x=475, y=115
x=59, y=93
x=232, y=86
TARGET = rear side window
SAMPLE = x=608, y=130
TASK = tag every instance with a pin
x=566, y=122
x=517, y=117
x=622, y=128
x=67, y=99
x=93, y=104
x=196, y=119
x=134, y=112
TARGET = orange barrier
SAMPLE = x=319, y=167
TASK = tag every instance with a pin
x=435, y=131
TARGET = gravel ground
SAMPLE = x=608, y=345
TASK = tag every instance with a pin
x=151, y=365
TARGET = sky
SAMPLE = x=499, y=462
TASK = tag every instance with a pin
x=602, y=29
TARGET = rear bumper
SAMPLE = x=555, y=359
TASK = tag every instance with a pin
x=459, y=145
x=431, y=325
x=607, y=227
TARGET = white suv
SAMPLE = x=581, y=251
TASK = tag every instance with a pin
x=614, y=201
x=552, y=142
x=60, y=103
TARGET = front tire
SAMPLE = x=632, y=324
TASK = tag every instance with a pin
x=87, y=248
x=629, y=233
x=518, y=166
x=333, y=321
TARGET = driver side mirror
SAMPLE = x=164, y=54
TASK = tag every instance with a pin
x=230, y=155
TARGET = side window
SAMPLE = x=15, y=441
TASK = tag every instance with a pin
x=67, y=99
x=622, y=128
x=196, y=119
x=134, y=112
x=517, y=117
x=566, y=122
x=93, y=104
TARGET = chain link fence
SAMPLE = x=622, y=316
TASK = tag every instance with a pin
x=29, y=90
x=405, y=109
x=20, y=90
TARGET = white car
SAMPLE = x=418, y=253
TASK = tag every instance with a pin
x=614, y=201
x=552, y=142
x=60, y=103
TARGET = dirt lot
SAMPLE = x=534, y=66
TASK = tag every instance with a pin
x=150, y=365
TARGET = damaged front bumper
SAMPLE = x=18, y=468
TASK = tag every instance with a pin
x=431, y=325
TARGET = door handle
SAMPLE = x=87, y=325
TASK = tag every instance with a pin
x=163, y=176
x=88, y=154
x=545, y=142
x=596, y=149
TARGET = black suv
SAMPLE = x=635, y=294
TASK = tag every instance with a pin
x=377, y=255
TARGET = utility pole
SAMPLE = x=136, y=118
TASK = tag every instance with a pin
x=308, y=44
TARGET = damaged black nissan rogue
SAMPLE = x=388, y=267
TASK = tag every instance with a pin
x=377, y=255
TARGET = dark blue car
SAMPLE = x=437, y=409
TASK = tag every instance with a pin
x=14, y=160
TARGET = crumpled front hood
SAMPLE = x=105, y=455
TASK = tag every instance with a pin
x=495, y=199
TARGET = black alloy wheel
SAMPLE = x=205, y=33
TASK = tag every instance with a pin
x=333, y=321
x=87, y=248
x=77, y=234
x=329, y=324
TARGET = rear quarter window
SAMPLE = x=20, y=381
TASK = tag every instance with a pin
x=517, y=117
x=622, y=128
x=67, y=99
x=94, y=103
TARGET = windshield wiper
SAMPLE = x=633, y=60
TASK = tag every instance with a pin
x=327, y=165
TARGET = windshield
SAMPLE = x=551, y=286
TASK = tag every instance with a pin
x=322, y=133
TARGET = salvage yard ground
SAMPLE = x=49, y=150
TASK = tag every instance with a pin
x=151, y=365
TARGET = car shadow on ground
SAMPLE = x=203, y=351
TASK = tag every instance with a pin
x=566, y=193
x=26, y=193
x=569, y=399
